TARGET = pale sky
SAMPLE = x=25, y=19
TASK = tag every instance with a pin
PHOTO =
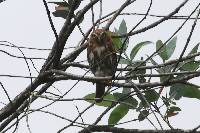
x=25, y=23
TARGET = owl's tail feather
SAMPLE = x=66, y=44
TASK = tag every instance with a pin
x=100, y=90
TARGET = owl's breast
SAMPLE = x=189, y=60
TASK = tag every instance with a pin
x=99, y=50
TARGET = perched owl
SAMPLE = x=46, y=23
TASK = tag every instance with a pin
x=102, y=58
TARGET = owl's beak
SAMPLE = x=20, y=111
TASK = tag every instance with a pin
x=99, y=39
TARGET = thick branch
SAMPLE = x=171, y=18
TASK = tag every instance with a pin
x=16, y=103
x=123, y=130
x=67, y=76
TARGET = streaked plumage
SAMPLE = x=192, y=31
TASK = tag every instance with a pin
x=102, y=58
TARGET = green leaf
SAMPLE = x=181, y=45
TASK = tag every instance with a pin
x=151, y=96
x=194, y=50
x=122, y=28
x=120, y=41
x=174, y=108
x=90, y=96
x=172, y=111
x=103, y=103
x=117, y=114
x=137, y=48
x=162, y=51
x=190, y=66
x=132, y=102
x=184, y=90
x=129, y=100
x=171, y=47
x=143, y=114
x=167, y=50
x=117, y=42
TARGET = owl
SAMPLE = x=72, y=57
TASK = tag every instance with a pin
x=102, y=58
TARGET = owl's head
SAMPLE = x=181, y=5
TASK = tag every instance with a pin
x=99, y=37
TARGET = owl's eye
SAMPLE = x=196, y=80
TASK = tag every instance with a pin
x=103, y=35
x=93, y=36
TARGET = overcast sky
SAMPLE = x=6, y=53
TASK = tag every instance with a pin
x=25, y=23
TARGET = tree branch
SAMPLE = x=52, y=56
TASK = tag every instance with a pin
x=98, y=128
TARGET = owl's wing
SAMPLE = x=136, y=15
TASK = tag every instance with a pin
x=111, y=59
x=90, y=57
x=93, y=59
x=111, y=63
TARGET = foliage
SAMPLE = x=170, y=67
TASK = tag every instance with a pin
x=165, y=51
x=143, y=85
